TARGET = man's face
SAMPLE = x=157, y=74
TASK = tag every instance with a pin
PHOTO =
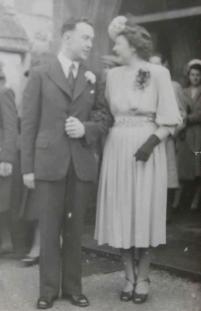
x=195, y=77
x=80, y=41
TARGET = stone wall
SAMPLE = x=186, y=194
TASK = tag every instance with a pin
x=36, y=18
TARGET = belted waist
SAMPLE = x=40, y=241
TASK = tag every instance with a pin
x=133, y=120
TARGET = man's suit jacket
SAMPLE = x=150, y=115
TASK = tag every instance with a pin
x=46, y=148
x=8, y=142
x=8, y=126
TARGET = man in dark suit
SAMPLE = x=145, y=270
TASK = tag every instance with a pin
x=62, y=118
x=8, y=137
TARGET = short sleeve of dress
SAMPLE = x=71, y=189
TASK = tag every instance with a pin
x=167, y=112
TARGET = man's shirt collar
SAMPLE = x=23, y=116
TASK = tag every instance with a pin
x=66, y=64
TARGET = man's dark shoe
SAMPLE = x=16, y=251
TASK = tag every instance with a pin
x=77, y=300
x=44, y=303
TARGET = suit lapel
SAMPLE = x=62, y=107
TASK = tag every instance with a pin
x=57, y=75
x=80, y=83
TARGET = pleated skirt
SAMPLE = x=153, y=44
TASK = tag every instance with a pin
x=132, y=195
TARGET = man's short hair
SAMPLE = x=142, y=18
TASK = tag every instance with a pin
x=70, y=24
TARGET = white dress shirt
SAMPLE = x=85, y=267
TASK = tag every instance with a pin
x=66, y=64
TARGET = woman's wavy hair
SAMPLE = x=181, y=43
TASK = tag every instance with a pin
x=138, y=37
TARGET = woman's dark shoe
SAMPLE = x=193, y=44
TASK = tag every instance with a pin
x=140, y=298
x=127, y=295
x=77, y=300
x=44, y=303
x=29, y=261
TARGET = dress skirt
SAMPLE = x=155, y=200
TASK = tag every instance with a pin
x=131, y=204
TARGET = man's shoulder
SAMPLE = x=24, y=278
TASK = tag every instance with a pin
x=115, y=72
x=44, y=68
x=40, y=70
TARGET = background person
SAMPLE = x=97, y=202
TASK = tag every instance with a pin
x=189, y=142
x=8, y=138
x=172, y=167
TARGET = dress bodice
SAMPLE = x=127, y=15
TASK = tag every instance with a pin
x=125, y=97
x=154, y=95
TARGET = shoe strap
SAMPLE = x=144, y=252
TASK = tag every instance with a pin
x=144, y=280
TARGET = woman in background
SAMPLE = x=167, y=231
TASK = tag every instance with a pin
x=131, y=205
x=189, y=142
x=172, y=168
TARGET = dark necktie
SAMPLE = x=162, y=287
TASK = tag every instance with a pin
x=71, y=78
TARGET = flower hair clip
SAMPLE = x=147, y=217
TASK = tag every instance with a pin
x=117, y=25
x=142, y=79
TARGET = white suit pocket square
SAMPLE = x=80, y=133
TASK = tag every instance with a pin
x=92, y=92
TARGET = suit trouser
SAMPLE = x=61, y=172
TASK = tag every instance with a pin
x=62, y=212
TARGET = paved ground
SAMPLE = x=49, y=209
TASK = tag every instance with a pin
x=182, y=254
x=19, y=289
x=103, y=277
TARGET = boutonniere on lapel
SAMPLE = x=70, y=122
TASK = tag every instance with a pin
x=90, y=76
x=142, y=79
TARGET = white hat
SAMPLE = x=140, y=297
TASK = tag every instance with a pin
x=194, y=62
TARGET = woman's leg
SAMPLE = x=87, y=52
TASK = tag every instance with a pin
x=170, y=200
x=129, y=268
x=144, y=264
x=177, y=197
x=32, y=257
x=127, y=258
x=142, y=285
x=35, y=249
x=188, y=191
x=197, y=193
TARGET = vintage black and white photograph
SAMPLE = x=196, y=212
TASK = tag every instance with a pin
x=100, y=155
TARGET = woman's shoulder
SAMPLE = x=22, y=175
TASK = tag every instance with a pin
x=158, y=70
x=115, y=71
x=159, y=73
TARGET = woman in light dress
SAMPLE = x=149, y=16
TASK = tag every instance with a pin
x=131, y=205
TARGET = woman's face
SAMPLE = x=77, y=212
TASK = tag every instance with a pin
x=123, y=50
x=195, y=77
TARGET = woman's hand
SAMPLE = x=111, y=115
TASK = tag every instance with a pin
x=144, y=152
